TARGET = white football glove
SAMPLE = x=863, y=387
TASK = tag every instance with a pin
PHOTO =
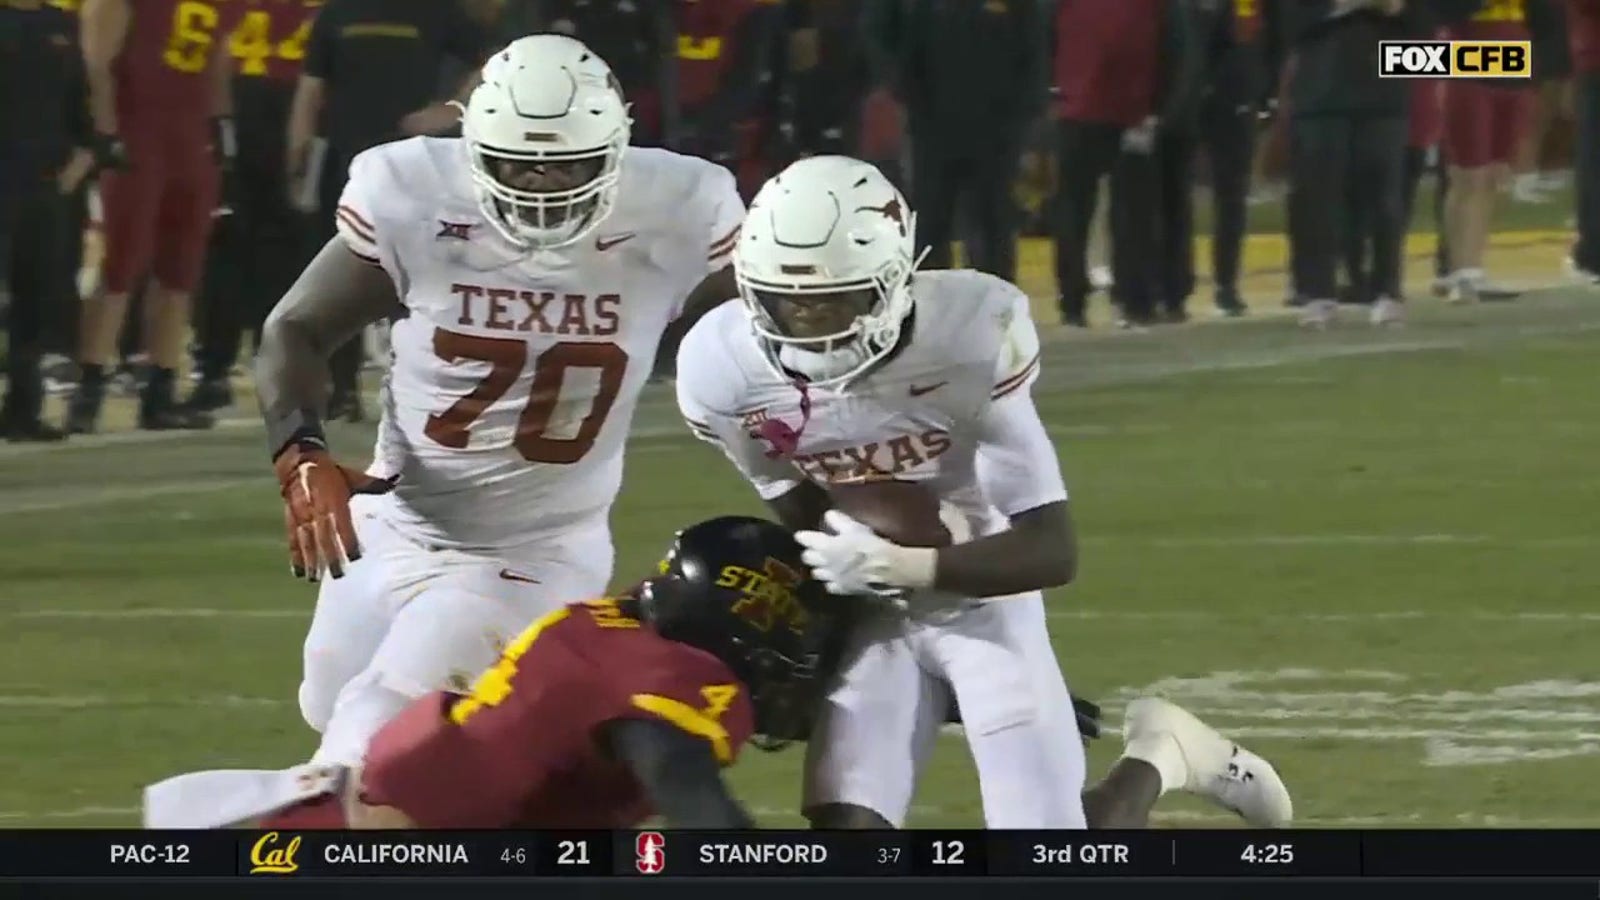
x=855, y=560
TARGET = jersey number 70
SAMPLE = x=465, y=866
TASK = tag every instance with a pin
x=506, y=358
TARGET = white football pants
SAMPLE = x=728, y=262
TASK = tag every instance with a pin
x=879, y=724
x=407, y=619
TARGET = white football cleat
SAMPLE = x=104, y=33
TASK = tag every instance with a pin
x=225, y=798
x=1466, y=286
x=1388, y=311
x=1579, y=275
x=1213, y=766
x=1319, y=313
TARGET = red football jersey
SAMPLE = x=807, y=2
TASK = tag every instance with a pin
x=1583, y=30
x=1496, y=20
x=523, y=749
x=707, y=33
x=1247, y=20
x=1426, y=126
x=270, y=41
x=162, y=67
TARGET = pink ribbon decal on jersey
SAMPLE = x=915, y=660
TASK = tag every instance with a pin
x=781, y=437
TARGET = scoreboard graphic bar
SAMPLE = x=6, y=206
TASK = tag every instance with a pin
x=46, y=855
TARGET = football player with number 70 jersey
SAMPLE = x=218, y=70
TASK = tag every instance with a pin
x=844, y=365
x=532, y=268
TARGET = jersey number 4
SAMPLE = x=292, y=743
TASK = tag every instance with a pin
x=506, y=358
x=252, y=44
x=704, y=722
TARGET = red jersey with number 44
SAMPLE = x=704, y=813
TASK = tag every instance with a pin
x=270, y=41
x=515, y=374
x=524, y=748
x=161, y=70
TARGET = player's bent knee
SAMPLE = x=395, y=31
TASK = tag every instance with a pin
x=845, y=817
x=362, y=709
x=443, y=638
x=316, y=707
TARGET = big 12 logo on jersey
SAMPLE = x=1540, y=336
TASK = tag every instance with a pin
x=651, y=848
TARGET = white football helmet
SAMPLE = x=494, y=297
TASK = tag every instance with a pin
x=824, y=264
x=545, y=132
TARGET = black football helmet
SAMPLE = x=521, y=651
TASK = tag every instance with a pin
x=735, y=587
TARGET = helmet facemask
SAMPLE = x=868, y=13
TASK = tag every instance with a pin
x=830, y=331
x=785, y=694
x=783, y=678
x=546, y=200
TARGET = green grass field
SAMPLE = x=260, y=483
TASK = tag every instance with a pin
x=1371, y=555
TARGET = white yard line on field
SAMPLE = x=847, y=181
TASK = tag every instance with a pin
x=62, y=702
x=1106, y=372
x=1302, y=540
x=1449, y=724
x=67, y=815
x=1552, y=617
x=185, y=612
x=1349, y=540
x=77, y=498
x=123, y=438
x=1533, y=617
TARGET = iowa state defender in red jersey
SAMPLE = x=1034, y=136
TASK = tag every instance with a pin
x=158, y=91
x=599, y=715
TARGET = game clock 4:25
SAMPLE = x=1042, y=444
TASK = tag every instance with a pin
x=1267, y=854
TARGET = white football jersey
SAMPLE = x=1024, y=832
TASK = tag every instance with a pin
x=931, y=413
x=515, y=374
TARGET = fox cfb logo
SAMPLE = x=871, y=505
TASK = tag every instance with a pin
x=651, y=848
x=1455, y=59
x=268, y=858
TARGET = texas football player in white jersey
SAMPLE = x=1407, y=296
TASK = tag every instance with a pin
x=532, y=268
x=844, y=364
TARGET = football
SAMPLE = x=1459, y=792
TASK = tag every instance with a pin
x=901, y=511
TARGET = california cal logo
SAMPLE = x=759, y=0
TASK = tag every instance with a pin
x=267, y=857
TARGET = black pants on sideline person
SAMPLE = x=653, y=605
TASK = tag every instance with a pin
x=1228, y=135
x=1586, y=103
x=33, y=219
x=974, y=188
x=1174, y=194
x=1346, y=174
x=257, y=250
x=1419, y=162
x=61, y=325
x=1085, y=152
x=345, y=363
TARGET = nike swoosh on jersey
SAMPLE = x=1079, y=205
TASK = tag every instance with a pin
x=918, y=390
x=606, y=243
x=509, y=575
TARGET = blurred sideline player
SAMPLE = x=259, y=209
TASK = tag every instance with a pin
x=257, y=250
x=600, y=715
x=533, y=267
x=1484, y=123
x=159, y=98
x=838, y=368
